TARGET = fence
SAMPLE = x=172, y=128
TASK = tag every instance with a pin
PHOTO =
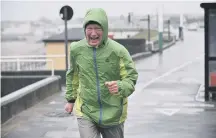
x=31, y=63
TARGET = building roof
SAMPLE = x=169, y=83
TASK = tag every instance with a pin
x=73, y=34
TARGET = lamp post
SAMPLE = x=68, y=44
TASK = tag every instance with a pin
x=181, y=37
x=168, y=29
x=149, y=34
x=160, y=29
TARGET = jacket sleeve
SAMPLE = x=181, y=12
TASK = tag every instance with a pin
x=72, y=78
x=128, y=74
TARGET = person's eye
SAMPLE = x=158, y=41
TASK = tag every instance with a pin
x=98, y=29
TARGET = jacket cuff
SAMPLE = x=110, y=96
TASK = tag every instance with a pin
x=71, y=101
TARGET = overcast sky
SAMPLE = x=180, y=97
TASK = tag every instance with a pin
x=32, y=10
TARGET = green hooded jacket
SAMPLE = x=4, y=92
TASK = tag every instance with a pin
x=91, y=67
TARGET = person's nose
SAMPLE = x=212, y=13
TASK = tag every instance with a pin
x=93, y=33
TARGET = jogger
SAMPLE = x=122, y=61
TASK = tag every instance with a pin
x=101, y=77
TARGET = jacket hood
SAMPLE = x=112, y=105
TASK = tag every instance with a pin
x=98, y=15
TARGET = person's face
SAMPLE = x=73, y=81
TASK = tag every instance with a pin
x=94, y=34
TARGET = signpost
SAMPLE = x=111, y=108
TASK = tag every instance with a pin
x=66, y=13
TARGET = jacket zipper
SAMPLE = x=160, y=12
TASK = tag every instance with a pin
x=98, y=84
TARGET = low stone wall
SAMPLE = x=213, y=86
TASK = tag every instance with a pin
x=28, y=96
x=10, y=84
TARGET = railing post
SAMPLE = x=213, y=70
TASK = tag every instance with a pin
x=52, y=68
x=18, y=64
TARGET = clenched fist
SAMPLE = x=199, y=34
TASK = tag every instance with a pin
x=112, y=86
x=69, y=107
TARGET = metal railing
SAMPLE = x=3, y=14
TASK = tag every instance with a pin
x=32, y=57
x=29, y=63
x=25, y=64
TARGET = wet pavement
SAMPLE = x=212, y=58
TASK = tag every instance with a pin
x=167, y=107
x=164, y=104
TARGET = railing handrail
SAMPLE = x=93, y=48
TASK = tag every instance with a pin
x=25, y=60
x=33, y=56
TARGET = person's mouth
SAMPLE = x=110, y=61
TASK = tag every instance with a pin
x=94, y=38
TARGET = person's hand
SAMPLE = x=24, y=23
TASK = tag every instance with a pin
x=112, y=86
x=69, y=107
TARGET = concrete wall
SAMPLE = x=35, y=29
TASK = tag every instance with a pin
x=33, y=74
x=12, y=83
x=134, y=46
x=24, y=98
